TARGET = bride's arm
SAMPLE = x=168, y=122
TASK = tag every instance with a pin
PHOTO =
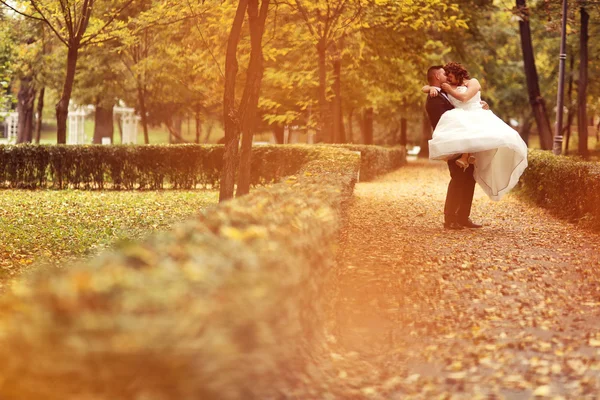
x=472, y=85
x=430, y=89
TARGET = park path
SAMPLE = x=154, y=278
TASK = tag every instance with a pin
x=511, y=310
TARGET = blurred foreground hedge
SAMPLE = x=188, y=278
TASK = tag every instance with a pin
x=568, y=187
x=229, y=305
x=185, y=166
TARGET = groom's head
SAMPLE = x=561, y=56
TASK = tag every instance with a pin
x=436, y=75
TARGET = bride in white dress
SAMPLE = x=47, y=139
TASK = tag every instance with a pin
x=497, y=150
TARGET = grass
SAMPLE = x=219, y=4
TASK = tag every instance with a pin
x=156, y=134
x=48, y=227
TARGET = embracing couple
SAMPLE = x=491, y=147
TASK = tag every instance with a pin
x=478, y=146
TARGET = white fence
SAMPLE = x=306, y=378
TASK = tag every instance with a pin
x=11, y=123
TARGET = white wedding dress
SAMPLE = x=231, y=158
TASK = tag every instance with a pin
x=500, y=153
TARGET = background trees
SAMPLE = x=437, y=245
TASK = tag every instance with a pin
x=348, y=71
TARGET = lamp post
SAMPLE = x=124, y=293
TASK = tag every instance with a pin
x=558, y=139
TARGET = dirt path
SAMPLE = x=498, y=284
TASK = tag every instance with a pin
x=508, y=311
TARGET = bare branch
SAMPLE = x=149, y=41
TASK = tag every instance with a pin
x=67, y=16
x=21, y=13
x=47, y=21
x=86, y=13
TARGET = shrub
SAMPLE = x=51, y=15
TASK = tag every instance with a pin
x=220, y=307
x=377, y=160
x=159, y=166
x=568, y=187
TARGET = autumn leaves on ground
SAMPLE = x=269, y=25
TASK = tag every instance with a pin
x=507, y=311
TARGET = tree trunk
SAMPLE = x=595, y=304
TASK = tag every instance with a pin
x=103, y=123
x=582, y=126
x=535, y=99
x=256, y=20
x=338, y=116
x=174, y=127
x=198, y=120
x=567, y=128
x=231, y=121
x=208, y=131
x=570, y=102
x=176, y=132
x=278, y=131
x=119, y=122
x=142, y=104
x=25, y=105
x=425, y=136
x=526, y=128
x=324, y=117
x=403, y=129
x=40, y=112
x=368, y=126
x=350, y=133
x=62, y=107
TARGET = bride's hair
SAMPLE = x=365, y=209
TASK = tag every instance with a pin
x=456, y=69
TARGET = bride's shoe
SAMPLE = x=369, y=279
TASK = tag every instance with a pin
x=471, y=160
x=462, y=164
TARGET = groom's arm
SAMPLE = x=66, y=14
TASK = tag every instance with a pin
x=435, y=107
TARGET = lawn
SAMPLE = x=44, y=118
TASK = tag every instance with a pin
x=156, y=134
x=46, y=227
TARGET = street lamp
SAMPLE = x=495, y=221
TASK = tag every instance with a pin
x=558, y=139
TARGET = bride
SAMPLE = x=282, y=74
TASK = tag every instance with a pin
x=497, y=151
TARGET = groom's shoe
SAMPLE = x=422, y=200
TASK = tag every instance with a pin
x=453, y=225
x=470, y=224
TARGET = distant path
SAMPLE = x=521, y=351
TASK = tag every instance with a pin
x=501, y=312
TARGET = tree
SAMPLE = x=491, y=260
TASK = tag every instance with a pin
x=25, y=103
x=231, y=115
x=70, y=21
x=174, y=73
x=26, y=66
x=249, y=105
x=537, y=102
x=582, y=121
x=328, y=21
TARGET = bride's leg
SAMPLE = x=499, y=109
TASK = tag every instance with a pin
x=463, y=161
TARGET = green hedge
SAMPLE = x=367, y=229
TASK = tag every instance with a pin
x=134, y=167
x=158, y=166
x=376, y=160
x=570, y=188
x=229, y=305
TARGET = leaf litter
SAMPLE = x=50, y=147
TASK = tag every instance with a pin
x=507, y=311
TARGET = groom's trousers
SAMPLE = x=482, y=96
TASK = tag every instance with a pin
x=460, y=193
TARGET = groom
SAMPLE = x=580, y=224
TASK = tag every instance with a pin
x=462, y=184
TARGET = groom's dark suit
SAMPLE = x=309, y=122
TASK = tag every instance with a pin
x=462, y=184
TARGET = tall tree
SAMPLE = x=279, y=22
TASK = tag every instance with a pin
x=582, y=121
x=536, y=100
x=231, y=115
x=249, y=104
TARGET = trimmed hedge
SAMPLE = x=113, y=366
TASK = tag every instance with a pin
x=229, y=305
x=570, y=188
x=376, y=160
x=158, y=166
x=134, y=167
